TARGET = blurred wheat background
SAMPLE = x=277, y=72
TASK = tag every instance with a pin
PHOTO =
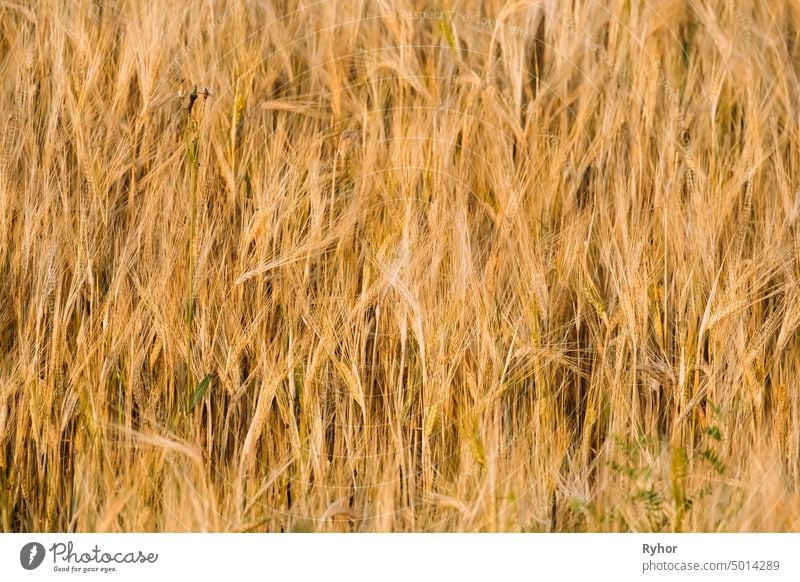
x=402, y=266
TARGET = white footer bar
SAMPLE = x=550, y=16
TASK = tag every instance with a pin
x=406, y=557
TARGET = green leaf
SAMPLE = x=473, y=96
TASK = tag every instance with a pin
x=190, y=311
x=201, y=390
x=446, y=28
x=714, y=433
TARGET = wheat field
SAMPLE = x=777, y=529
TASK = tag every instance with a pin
x=373, y=265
